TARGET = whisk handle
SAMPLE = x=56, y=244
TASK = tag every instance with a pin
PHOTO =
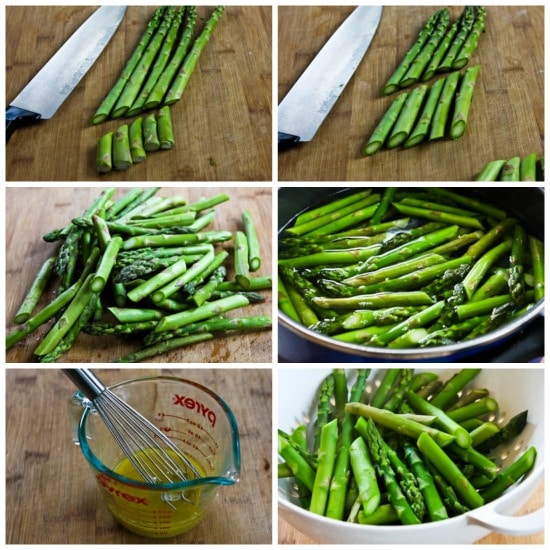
x=86, y=381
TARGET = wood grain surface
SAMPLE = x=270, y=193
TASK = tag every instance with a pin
x=222, y=124
x=52, y=497
x=287, y=534
x=506, y=118
x=32, y=212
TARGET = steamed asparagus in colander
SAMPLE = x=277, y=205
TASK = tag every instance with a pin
x=424, y=453
x=408, y=268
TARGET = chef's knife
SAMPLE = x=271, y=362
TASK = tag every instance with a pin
x=309, y=101
x=43, y=95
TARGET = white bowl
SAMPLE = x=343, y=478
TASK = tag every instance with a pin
x=515, y=390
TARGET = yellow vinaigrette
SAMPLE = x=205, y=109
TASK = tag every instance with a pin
x=154, y=512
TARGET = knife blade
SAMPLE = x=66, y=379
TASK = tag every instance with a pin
x=309, y=101
x=49, y=88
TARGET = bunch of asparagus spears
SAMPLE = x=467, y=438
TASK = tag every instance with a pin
x=161, y=65
x=439, y=47
x=416, y=449
x=144, y=265
x=426, y=113
x=129, y=145
x=529, y=168
x=407, y=268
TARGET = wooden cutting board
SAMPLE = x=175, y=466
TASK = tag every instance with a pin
x=32, y=212
x=51, y=494
x=506, y=119
x=222, y=123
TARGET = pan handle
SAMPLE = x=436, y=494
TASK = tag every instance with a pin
x=509, y=525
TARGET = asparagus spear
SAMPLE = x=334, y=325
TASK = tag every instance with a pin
x=136, y=141
x=421, y=129
x=151, y=140
x=161, y=60
x=420, y=62
x=104, y=155
x=161, y=86
x=384, y=127
x=165, y=129
x=395, y=79
x=463, y=102
x=35, y=292
x=139, y=74
x=448, y=469
x=465, y=26
x=440, y=117
x=180, y=82
x=470, y=44
x=122, y=157
x=407, y=117
x=104, y=110
x=510, y=170
x=528, y=168
x=325, y=467
x=491, y=171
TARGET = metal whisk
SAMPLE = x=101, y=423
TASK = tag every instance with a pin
x=151, y=452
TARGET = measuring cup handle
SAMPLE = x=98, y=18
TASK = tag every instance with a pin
x=76, y=406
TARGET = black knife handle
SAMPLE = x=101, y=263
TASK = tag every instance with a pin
x=286, y=141
x=16, y=117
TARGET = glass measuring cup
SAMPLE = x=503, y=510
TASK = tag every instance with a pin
x=196, y=419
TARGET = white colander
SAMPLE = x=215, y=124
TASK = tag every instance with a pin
x=515, y=389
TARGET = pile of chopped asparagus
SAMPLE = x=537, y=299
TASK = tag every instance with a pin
x=419, y=448
x=145, y=265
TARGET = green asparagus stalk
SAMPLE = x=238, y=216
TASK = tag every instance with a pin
x=439, y=53
x=510, y=170
x=254, y=258
x=507, y=477
x=106, y=264
x=104, y=110
x=422, y=127
x=182, y=79
x=449, y=392
x=396, y=422
x=395, y=79
x=491, y=171
x=104, y=155
x=441, y=114
x=435, y=215
x=161, y=60
x=122, y=157
x=470, y=44
x=528, y=168
x=365, y=476
x=163, y=347
x=465, y=26
x=136, y=141
x=302, y=470
x=162, y=84
x=463, y=102
x=537, y=257
x=448, y=469
x=325, y=467
x=407, y=117
x=165, y=129
x=241, y=259
x=139, y=74
x=421, y=61
x=384, y=127
x=35, y=292
x=516, y=280
x=151, y=140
